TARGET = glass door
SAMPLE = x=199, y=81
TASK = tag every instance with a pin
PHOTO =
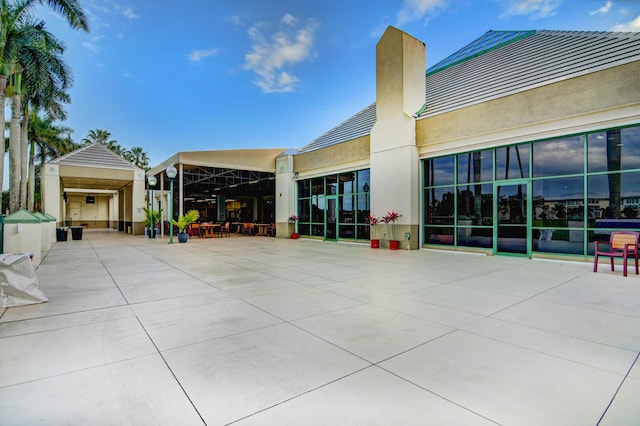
x=512, y=211
x=331, y=220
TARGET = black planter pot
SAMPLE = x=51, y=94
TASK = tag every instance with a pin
x=183, y=237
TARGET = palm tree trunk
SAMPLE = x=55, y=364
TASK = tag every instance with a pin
x=24, y=149
x=31, y=189
x=3, y=88
x=14, y=153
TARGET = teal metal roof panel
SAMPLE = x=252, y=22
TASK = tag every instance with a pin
x=22, y=216
x=489, y=41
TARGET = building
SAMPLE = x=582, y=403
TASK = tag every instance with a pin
x=520, y=143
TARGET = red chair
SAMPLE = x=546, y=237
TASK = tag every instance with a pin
x=621, y=244
x=194, y=230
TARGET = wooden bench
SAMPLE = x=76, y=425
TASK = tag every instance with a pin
x=621, y=244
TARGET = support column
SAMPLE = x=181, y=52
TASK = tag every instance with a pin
x=395, y=166
x=285, y=193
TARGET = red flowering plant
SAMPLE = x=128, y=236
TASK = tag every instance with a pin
x=373, y=221
x=293, y=218
x=390, y=219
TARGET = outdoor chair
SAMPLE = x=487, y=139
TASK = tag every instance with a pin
x=247, y=228
x=226, y=229
x=194, y=230
x=621, y=244
x=271, y=230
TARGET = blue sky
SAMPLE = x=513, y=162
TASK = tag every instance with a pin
x=210, y=74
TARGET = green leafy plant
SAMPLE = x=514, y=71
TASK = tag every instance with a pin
x=152, y=217
x=185, y=220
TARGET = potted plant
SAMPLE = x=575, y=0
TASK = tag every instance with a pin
x=373, y=221
x=152, y=219
x=293, y=219
x=183, y=223
x=390, y=219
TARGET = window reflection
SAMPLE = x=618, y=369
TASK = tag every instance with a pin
x=346, y=182
x=475, y=167
x=439, y=171
x=317, y=208
x=304, y=189
x=556, y=202
x=558, y=157
x=317, y=186
x=512, y=162
x=613, y=150
x=475, y=205
x=440, y=205
x=613, y=200
x=303, y=210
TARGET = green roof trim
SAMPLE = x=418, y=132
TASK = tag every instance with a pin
x=489, y=41
x=42, y=217
x=22, y=216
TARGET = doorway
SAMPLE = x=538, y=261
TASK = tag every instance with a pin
x=512, y=234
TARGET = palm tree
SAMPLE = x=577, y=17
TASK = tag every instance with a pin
x=98, y=135
x=15, y=28
x=138, y=156
x=51, y=104
x=46, y=77
x=51, y=141
x=103, y=136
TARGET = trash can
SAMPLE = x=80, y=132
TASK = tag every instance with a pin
x=61, y=234
x=76, y=232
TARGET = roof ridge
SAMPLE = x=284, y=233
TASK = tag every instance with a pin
x=103, y=148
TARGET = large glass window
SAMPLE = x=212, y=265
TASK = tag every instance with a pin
x=558, y=201
x=613, y=200
x=613, y=150
x=571, y=207
x=344, y=196
x=474, y=167
x=512, y=162
x=439, y=171
x=558, y=157
x=475, y=205
x=440, y=206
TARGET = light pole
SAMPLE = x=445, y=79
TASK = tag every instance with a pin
x=152, y=182
x=171, y=174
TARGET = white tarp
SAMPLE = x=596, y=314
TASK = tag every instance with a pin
x=18, y=281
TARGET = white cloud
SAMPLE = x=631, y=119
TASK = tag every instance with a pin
x=196, y=55
x=603, y=10
x=91, y=46
x=415, y=10
x=273, y=55
x=289, y=19
x=631, y=26
x=537, y=8
x=129, y=13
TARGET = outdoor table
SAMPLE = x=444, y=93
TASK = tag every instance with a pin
x=262, y=229
x=210, y=229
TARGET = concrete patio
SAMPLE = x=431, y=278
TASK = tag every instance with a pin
x=265, y=331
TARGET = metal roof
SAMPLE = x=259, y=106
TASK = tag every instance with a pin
x=354, y=127
x=501, y=63
x=488, y=41
x=543, y=58
x=94, y=155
